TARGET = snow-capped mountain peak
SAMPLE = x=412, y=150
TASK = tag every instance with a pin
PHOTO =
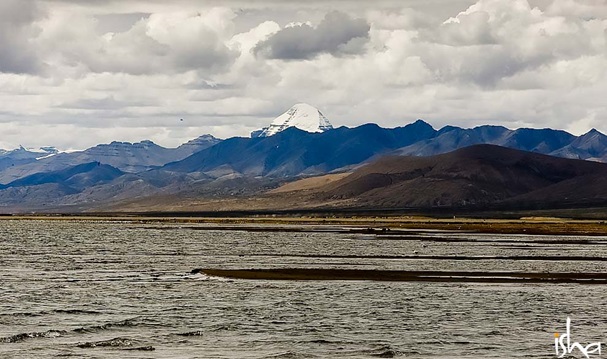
x=301, y=115
x=43, y=150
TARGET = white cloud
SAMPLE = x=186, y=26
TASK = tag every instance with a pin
x=337, y=34
x=70, y=81
x=159, y=43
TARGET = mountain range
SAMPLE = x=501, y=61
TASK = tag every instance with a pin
x=107, y=175
x=126, y=156
x=474, y=178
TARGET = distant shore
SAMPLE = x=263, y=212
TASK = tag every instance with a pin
x=365, y=224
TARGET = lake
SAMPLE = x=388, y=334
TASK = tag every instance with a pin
x=125, y=289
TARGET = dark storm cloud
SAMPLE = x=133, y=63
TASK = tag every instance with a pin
x=17, y=55
x=337, y=34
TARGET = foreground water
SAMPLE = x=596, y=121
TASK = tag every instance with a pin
x=88, y=289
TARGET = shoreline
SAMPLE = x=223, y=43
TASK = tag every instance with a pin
x=378, y=225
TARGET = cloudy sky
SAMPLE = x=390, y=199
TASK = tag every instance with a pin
x=74, y=73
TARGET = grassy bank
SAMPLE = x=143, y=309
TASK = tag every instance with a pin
x=371, y=224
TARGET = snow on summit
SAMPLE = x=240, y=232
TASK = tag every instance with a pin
x=303, y=116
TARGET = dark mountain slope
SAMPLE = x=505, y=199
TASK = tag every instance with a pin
x=450, y=138
x=474, y=176
x=536, y=140
x=45, y=189
x=591, y=145
x=77, y=177
x=580, y=191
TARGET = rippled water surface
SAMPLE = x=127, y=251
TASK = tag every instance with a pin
x=93, y=289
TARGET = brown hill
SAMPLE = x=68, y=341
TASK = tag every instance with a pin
x=475, y=176
x=309, y=183
x=588, y=190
